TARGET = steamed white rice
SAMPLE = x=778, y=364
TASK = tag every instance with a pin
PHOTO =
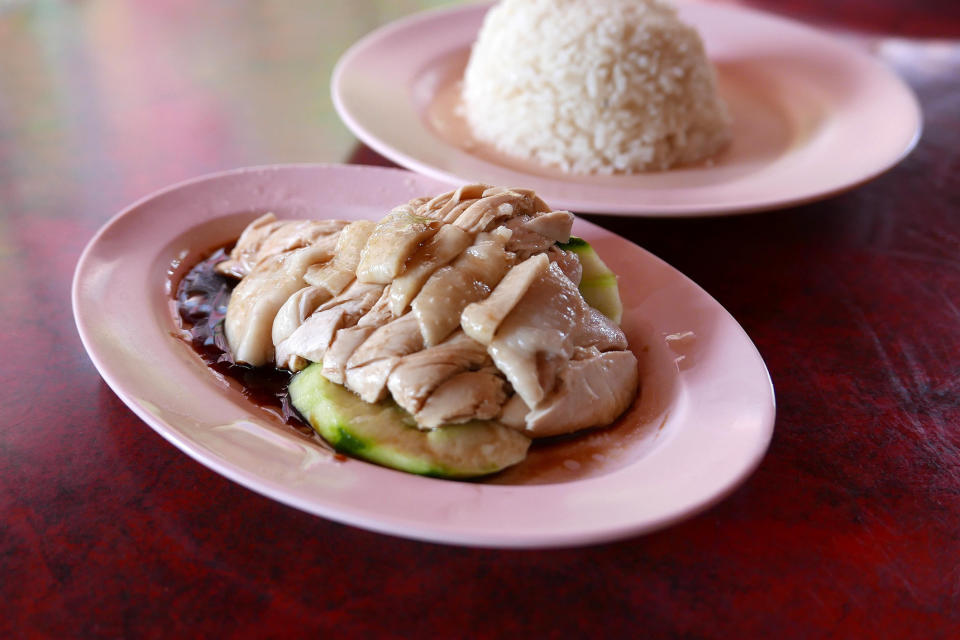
x=593, y=86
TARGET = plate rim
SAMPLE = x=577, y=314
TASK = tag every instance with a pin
x=674, y=210
x=375, y=522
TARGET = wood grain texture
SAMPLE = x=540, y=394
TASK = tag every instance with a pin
x=850, y=528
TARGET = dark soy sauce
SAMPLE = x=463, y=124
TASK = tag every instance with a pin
x=202, y=297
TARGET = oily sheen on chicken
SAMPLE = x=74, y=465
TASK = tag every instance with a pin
x=459, y=307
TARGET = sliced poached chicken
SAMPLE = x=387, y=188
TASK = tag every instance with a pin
x=460, y=307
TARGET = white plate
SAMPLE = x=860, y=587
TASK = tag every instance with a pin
x=702, y=423
x=813, y=116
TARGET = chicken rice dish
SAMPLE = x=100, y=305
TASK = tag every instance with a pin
x=441, y=339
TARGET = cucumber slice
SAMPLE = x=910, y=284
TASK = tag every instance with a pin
x=386, y=434
x=598, y=284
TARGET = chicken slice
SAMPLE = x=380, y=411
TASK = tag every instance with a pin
x=554, y=225
x=255, y=302
x=469, y=278
x=534, y=235
x=244, y=253
x=486, y=211
x=590, y=393
x=266, y=236
x=514, y=412
x=481, y=319
x=379, y=313
x=569, y=263
x=597, y=331
x=344, y=344
x=448, y=206
x=447, y=244
x=295, y=311
x=532, y=203
x=372, y=362
x=310, y=340
x=539, y=335
x=419, y=374
x=347, y=339
x=338, y=273
x=470, y=395
x=392, y=242
x=528, y=201
x=496, y=204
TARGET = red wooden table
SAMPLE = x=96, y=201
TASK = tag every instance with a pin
x=849, y=528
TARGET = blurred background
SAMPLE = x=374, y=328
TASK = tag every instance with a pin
x=103, y=101
x=848, y=529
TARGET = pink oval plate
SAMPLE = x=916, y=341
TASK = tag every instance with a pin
x=813, y=116
x=702, y=422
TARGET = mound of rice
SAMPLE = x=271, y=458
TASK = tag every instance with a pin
x=593, y=86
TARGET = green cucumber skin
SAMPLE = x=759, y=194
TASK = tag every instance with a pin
x=599, y=282
x=324, y=404
x=599, y=285
x=346, y=442
x=574, y=244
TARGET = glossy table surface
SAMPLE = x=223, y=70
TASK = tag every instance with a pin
x=850, y=527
